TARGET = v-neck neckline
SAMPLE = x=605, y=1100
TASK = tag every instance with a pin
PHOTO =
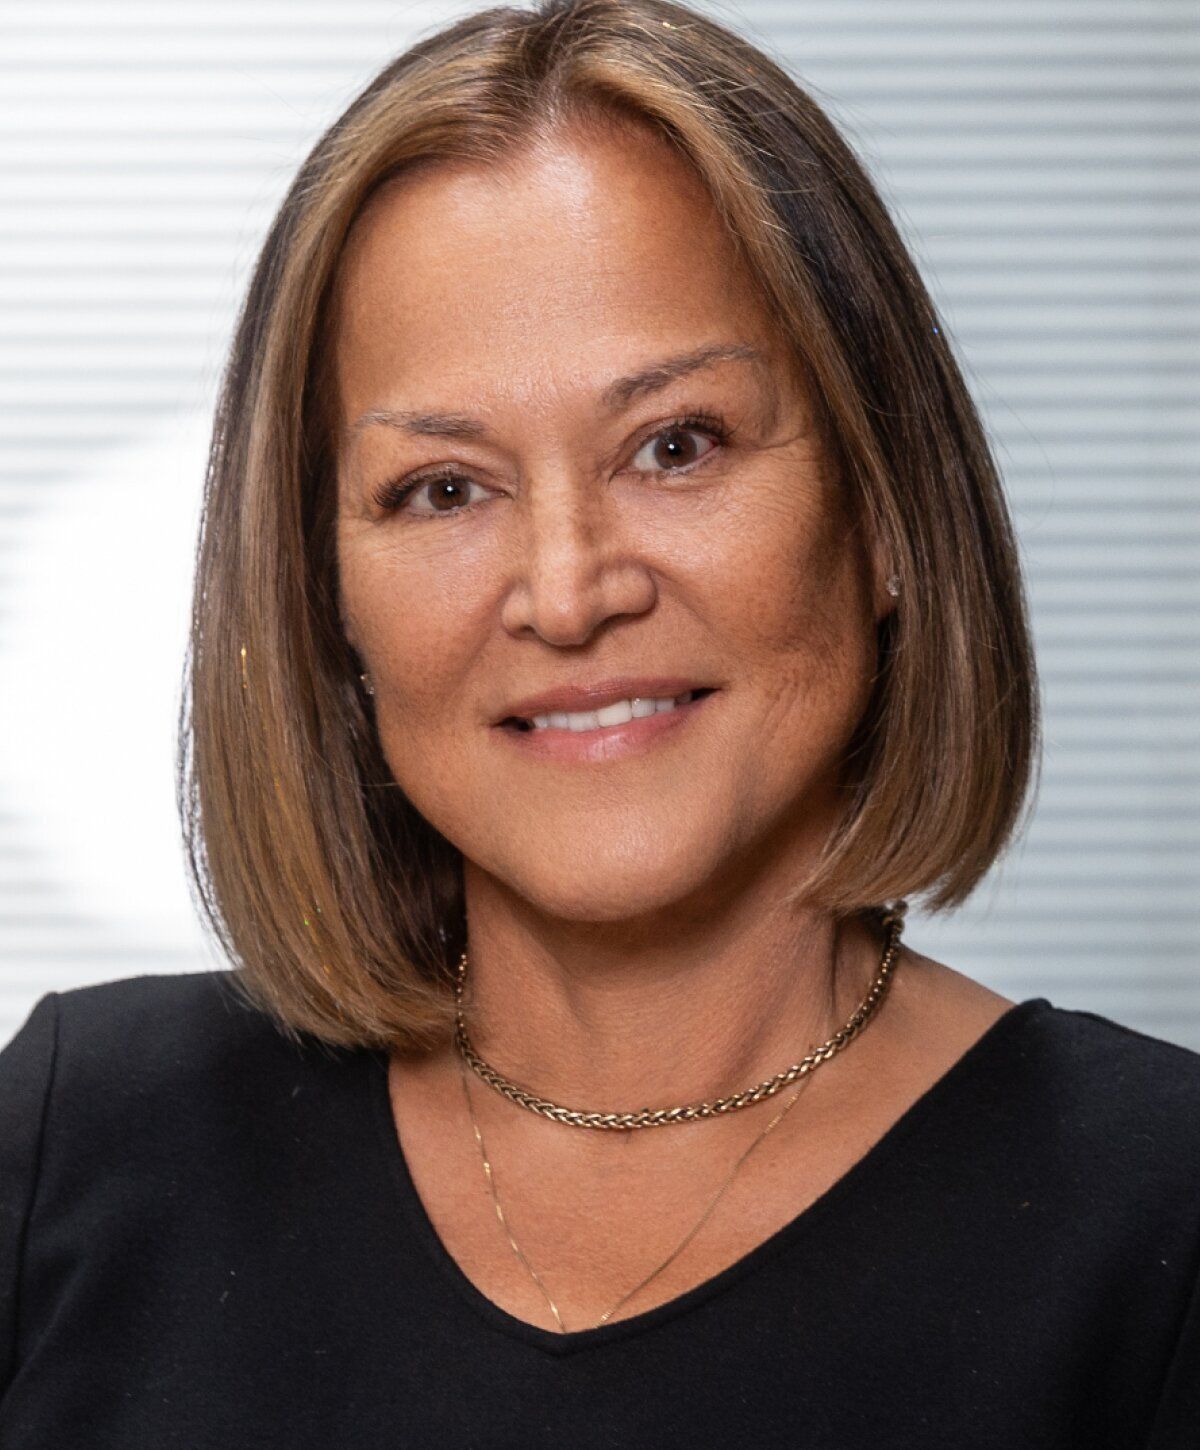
x=855, y=1179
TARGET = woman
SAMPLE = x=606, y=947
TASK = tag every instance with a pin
x=607, y=616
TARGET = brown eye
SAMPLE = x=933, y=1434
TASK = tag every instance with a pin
x=680, y=446
x=446, y=493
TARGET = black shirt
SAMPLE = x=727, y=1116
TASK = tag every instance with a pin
x=209, y=1238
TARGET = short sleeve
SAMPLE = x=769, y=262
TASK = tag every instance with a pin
x=26, y=1070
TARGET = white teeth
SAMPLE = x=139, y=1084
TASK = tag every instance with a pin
x=620, y=712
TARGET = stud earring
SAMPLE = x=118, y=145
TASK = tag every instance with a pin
x=367, y=685
x=893, y=585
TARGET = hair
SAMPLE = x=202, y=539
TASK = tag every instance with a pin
x=339, y=904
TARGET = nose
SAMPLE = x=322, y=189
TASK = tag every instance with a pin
x=575, y=565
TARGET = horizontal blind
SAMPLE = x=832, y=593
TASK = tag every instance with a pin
x=1041, y=159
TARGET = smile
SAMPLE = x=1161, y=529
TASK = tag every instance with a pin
x=620, y=712
x=625, y=727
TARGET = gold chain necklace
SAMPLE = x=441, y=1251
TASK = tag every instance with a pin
x=892, y=920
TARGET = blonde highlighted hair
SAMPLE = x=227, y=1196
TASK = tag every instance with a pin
x=339, y=905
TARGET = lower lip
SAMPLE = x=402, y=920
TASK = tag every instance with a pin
x=608, y=742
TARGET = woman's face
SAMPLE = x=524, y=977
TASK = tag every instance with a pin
x=585, y=508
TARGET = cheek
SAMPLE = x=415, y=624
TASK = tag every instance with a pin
x=791, y=581
x=411, y=618
x=794, y=605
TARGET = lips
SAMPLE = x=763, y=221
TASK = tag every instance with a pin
x=594, y=696
x=602, y=739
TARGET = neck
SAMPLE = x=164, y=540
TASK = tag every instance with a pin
x=612, y=1020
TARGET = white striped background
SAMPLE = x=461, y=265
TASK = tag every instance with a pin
x=1042, y=158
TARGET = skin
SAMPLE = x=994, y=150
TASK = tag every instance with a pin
x=628, y=935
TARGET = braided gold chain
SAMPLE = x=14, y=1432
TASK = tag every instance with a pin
x=893, y=923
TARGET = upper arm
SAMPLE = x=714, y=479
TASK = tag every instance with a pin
x=26, y=1070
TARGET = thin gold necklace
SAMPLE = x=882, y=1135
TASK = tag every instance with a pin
x=893, y=920
x=704, y=1217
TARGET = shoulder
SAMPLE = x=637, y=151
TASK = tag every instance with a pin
x=1106, y=1116
x=107, y=1088
x=127, y=1034
x=155, y=1115
x=1085, y=1058
x=96, y=1087
x=1082, y=1068
x=1100, y=1112
x=159, y=1015
x=99, y=1062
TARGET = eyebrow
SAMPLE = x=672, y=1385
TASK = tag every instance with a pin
x=616, y=396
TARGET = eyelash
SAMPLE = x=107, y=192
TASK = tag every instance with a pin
x=392, y=495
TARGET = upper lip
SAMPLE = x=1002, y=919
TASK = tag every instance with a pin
x=598, y=694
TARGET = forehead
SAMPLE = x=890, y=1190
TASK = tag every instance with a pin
x=578, y=258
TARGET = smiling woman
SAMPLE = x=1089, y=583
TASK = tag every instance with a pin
x=607, y=616
x=579, y=376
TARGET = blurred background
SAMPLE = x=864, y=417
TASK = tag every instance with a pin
x=1042, y=158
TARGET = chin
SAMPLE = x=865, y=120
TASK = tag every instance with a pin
x=599, y=887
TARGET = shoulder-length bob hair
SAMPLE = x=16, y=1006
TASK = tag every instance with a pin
x=340, y=906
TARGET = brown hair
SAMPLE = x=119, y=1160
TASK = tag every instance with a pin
x=340, y=904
